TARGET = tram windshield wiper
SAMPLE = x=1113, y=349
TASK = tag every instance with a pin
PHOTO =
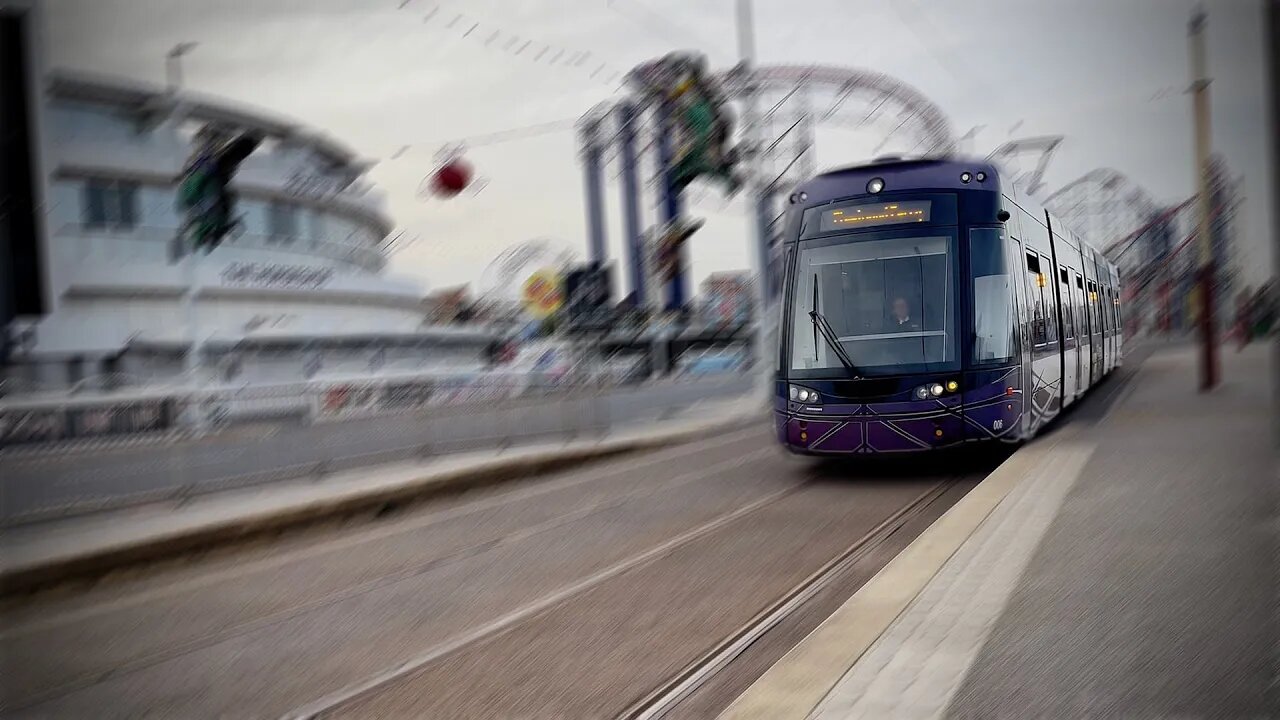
x=833, y=341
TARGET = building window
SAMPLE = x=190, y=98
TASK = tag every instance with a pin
x=319, y=231
x=282, y=223
x=110, y=205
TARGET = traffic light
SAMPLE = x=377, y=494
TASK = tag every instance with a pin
x=704, y=130
x=205, y=191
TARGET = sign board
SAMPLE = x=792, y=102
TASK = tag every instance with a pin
x=726, y=300
x=311, y=184
x=588, y=298
x=275, y=275
x=542, y=295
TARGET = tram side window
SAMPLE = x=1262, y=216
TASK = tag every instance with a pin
x=1111, y=310
x=1068, y=317
x=1035, y=300
x=1106, y=309
x=1095, y=307
x=993, y=323
x=1104, y=304
x=1048, y=292
x=779, y=356
x=1078, y=303
x=1104, y=300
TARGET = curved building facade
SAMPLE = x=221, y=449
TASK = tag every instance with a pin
x=301, y=290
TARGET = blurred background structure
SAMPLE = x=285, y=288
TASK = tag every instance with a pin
x=403, y=358
x=111, y=327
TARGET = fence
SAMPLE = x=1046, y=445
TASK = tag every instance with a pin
x=131, y=412
x=40, y=488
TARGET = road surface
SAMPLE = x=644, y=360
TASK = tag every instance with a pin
x=573, y=595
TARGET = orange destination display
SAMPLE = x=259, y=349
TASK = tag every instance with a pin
x=852, y=217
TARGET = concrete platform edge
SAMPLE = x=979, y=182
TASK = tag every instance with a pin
x=798, y=682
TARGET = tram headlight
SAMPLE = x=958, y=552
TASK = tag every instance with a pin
x=924, y=392
x=980, y=176
x=952, y=386
x=965, y=177
x=804, y=395
x=875, y=185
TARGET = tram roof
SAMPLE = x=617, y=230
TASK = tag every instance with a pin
x=932, y=173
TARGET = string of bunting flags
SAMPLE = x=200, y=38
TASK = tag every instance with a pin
x=533, y=50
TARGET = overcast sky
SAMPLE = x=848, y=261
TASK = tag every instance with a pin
x=1107, y=74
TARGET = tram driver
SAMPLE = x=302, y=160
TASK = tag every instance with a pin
x=900, y=320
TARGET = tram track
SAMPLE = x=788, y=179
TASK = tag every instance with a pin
x=336, y=702
x=667, y=696
x=707, y=543
x=371, y=536
x=685, y=693
x=596, y=475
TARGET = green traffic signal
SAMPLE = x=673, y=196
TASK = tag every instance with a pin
x=703, y=126
x=205, y=192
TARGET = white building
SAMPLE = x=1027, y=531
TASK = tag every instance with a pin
x=301, y=291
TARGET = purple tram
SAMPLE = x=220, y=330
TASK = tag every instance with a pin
x=928, y=304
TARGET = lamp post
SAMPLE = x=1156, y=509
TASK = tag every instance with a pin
x=1200, y=107
x=758, y=200
x=1271, y=34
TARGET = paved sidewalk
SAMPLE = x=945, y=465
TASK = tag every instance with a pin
x=63, y=549
x=1126, y=565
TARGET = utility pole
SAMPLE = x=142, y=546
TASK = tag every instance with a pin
x=1271, y=37
x=757, y=191
x=1204, y=203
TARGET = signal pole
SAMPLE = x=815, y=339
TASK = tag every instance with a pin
x=757, y=191
x=195, y=348
x=1271, y=38
x=207, y=205
x=1203, y=145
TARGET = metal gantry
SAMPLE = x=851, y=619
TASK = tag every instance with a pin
x=781, y=107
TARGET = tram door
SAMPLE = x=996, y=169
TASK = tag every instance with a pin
x=1070, y=348
x=1099, y=337
x=1022, y=317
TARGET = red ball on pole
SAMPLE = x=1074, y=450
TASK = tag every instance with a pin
x=452, y=178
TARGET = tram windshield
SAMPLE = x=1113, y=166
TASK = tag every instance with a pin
x=888, y=302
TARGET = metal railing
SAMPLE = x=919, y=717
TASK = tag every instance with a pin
x=122, y=411
x=58, y=485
